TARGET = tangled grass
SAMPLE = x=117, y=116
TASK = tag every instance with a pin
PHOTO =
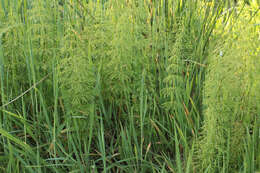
x=129, y=86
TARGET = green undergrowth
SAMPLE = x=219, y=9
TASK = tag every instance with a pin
x=231, y=99
x=128, y=86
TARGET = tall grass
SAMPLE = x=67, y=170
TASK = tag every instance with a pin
x=231, y=98
x=115, y=86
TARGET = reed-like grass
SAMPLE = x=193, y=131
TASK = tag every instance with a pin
x=116, y=86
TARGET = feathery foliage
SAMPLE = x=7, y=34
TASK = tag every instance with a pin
x=231, y=97
x=118, y=86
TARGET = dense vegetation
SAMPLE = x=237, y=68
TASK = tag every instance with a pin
x=129, y=86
